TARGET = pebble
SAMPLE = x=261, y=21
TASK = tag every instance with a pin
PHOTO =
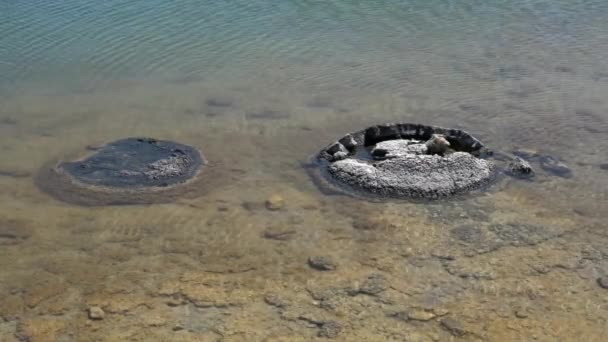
x=555, y=167
x=521, y=313
x=603, y=282
x=275, y=202
x=374, y=284
x=329, y=329
x=421, y=315
x=322, y=263
x=518, y=167
x=275, y=300
x=453, y=326
x=280, y=233
x=96, y=313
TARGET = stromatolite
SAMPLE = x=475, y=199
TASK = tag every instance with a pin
x=404, y=161
x=126, y=171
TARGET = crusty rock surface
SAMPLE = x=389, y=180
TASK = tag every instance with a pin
x=406, y=161
x=414, y=176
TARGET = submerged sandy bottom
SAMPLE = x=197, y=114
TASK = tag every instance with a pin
x=519, y=262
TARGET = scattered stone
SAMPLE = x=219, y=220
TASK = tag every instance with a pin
x=322, y=263
x=554, y=166
x=453, y=326
x=521, y=313
x=280, y=233
x=604, y=166
x=275, y=300
x=275, y=202
x=420, y=315
x=374, y=285
x=520, y=168
x=603, y=282
x=329, y=329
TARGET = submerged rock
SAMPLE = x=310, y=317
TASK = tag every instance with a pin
x=554, y=166
x=520, y=168
x=96, y=313
x=126, y=171
x=404, y=161
x=322, y=263
x=275, y=202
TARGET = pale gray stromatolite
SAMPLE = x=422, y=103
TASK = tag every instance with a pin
x=404, y=161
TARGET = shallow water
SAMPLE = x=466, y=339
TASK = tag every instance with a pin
x=259, y=86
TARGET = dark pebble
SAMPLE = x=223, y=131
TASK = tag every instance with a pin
x=453, y=326
x=374, y=285
x=520, y=168
x=329, y=329
x=322, y=263
x=604, y=166
x=603, y=282
x=555, y=167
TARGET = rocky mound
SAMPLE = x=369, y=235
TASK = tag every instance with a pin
x=126, y=171
x=404, y=161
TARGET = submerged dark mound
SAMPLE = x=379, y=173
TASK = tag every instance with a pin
x=403, y=161
x=126, y=171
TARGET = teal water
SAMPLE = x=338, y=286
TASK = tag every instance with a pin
x=349, y=43
x=259, y=86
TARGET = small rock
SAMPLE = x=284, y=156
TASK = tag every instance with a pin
x=322, y=263
x=520, y=168
x=521, y=313
x=441, y=311
x=275, y=202
x=274, y=300
x=420, y=315
x=453, y=326
x=604, y=166
x=96, y=313
x=329, y=329
x=555, y=167
x=374, y=284
x=603, y=282
x=281, y=233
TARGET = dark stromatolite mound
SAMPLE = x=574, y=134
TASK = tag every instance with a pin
x=126, y=171
x=404, y=161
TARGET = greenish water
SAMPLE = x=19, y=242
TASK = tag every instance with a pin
x=259, y=86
